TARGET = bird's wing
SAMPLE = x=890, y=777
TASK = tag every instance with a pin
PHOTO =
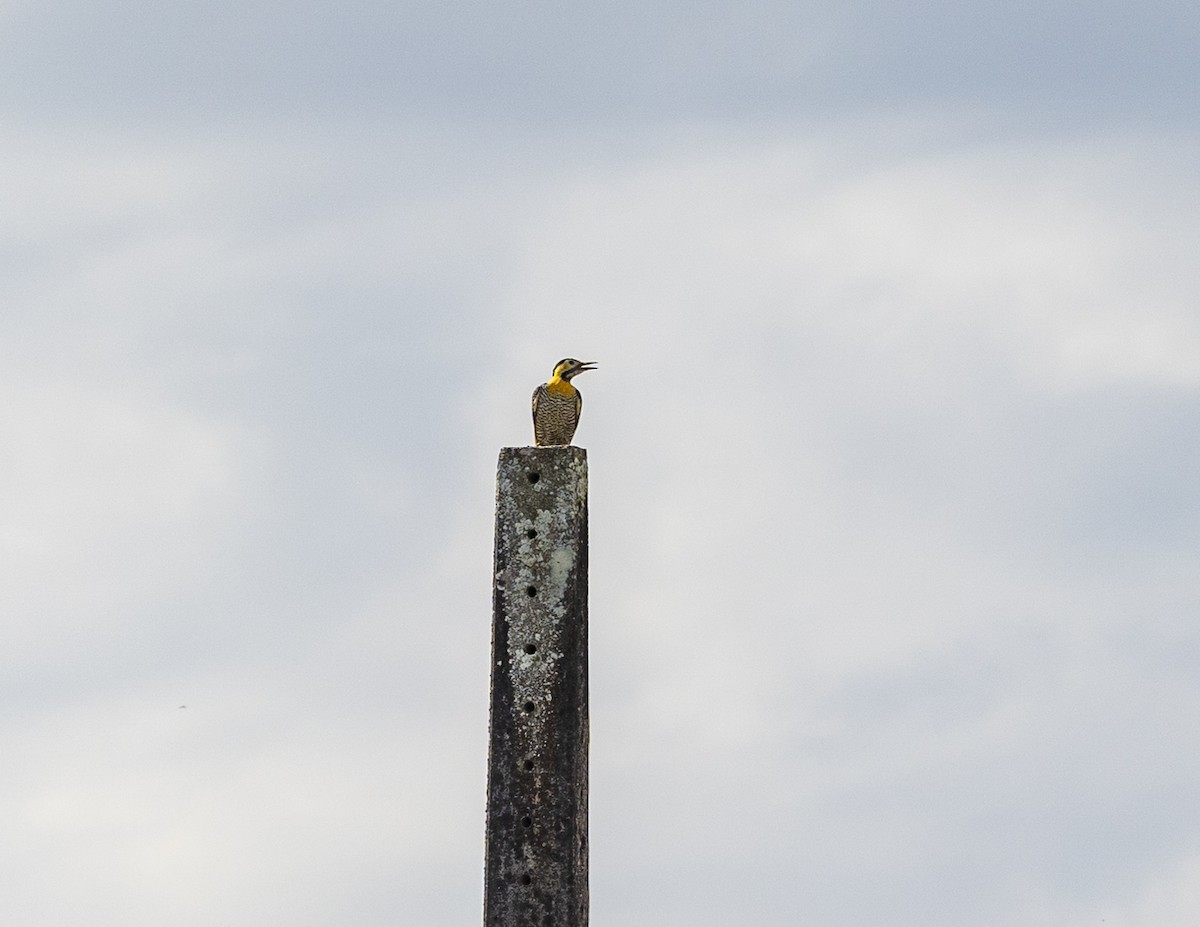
x=578, y=405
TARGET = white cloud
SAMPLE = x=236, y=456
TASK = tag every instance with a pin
x=1168, y=898
x=110, y=498
x=900, y=264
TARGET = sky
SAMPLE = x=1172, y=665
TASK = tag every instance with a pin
x=893, y=447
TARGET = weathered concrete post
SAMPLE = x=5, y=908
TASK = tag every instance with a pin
x=536, y=870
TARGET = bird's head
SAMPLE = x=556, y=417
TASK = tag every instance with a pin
x=568, y=367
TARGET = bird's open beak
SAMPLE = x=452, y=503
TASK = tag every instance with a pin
x=585, y=365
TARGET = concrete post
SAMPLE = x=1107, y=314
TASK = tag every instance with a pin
x=536, y=869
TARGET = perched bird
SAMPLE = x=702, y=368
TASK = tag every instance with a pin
x=557, y=404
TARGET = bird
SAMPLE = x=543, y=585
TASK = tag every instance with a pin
x=557, y=404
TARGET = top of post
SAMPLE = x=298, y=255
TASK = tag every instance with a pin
x=554, y=451
x=554, y=476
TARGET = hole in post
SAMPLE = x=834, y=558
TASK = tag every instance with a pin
x=534, y=477
x=528, y=765
x=531, y=648
x=531, y=591
x=527, y=879
x=531, y=533
x=529, y=708
x=527, y=821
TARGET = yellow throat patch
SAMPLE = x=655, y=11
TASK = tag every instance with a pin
x=557, y=386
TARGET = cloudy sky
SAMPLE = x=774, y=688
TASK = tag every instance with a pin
x=894, y=503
